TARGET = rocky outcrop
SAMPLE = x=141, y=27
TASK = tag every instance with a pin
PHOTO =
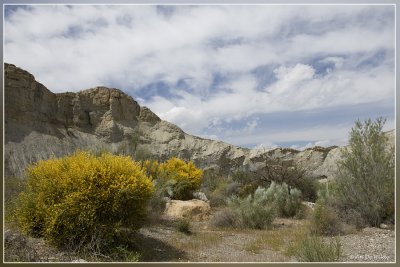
x=194, y=209
x=40, y=124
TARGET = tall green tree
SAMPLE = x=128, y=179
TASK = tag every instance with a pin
x=366, y=176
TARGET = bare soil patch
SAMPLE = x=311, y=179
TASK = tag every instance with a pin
x=162, y=242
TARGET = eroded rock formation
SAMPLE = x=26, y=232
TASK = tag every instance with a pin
x=40, y=124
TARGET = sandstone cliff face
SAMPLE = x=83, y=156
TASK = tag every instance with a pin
x=40, y=124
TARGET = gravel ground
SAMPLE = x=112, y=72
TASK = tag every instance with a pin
x=370, y=245
x=212, y=245
x=164, y=243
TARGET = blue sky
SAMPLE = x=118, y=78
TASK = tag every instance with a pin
x=254, y=76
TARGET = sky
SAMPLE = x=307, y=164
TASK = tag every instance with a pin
x=257, y=76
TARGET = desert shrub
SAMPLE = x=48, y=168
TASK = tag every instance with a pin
x=365, y=178
x=250, y=188
x=308, y=186
x=243, y=177
x=255, y=211
x=304, y=212
x=210, y=180
x=218, y=188
x=182, y=190
x=162, y=188
x=281, y=171
x=313, y=248
x=325, y=220
x=13, y=186
x=218, y=197
x=224, y=218
x=183, y=226
x=179, y=170
x=124, y=254
x=232, y=188
x=185, y=176
x=79, y=201
x=286, y=199
x=157, y=203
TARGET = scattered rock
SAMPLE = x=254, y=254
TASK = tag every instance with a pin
x=201, y=196
x=79, y=260
x=383, y=226
x=311, y=205
x=193, y=209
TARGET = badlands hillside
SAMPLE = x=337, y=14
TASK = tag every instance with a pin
x=40, y=124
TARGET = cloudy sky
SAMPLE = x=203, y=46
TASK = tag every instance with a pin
x=254, y=76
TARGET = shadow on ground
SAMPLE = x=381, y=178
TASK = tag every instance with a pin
x=154, y=250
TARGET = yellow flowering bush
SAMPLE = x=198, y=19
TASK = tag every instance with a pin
x=179, y=170
x=151, y=167
x=82, y=200
x=184, y=177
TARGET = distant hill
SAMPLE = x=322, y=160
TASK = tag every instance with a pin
x=40, y=124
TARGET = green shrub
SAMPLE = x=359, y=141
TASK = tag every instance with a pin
x=286, y=199
x=183, y=226
x=255, y=211
x=325, y=220
x=217, y=198
x=217, y=194
x=182, y=190
x=243, y=177
x=224, y=218
x=365, y=178
x=313, y=248
x=79, y=201
x=157, y=204
x=250, y=188
x=211, y=180
x=123, y=254
x=308, y=186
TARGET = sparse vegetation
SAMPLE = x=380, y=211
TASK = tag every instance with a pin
x=224, y=218
x=17, y=248
x=93, y=204
x=272, y=239
x=183, y=226
x=325, y=220
x=309, y=247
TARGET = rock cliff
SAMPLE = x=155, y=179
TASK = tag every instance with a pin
x=40, y=124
